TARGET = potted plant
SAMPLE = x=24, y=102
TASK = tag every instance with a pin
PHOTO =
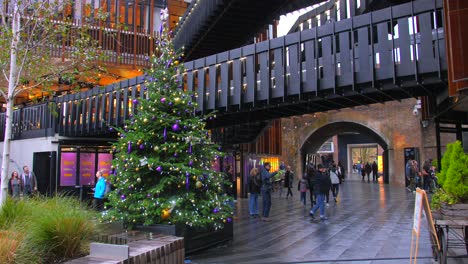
x=450, y=201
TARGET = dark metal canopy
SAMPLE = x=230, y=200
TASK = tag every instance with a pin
x=212, y=26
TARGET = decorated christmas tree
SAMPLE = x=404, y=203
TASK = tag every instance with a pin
x=163, y=159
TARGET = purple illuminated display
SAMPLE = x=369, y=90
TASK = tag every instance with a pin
x=105, y=163
x=87, y=166
x=68, y=169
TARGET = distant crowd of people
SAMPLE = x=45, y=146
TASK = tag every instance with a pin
x=367, y=169
x=425, y=179
x=319, y=181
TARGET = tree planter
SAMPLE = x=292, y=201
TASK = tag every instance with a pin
x=195, y=239
x=453, y=212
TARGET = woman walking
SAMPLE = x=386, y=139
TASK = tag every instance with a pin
x=15, y=185
x=255, y=183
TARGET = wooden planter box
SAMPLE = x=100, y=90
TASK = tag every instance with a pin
x=195, y=239
x=452, y=212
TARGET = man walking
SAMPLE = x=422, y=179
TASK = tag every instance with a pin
x=375, y=171
x=266, y=190
x=321, y=187
x=28, y=182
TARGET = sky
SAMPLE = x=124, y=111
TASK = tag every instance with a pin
x=288, y=20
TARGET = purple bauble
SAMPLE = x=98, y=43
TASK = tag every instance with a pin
x=175, y=154
x=111, y=129
x=216, y=210
x=129, y=148
x=165, y=133
x=122, y=197
x=135, y=101
x=190, y=163
x=159, y=169
x=148, y=195
x=229, y=219
x=175, y=127
x=142, y=147
x=163, y=100
x=170, y=103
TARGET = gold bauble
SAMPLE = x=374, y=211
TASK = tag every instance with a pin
x=199, y=184
x=137, y=169
x=165, y=214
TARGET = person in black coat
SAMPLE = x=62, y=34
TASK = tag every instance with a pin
x=321, y=188
x=288, y=181
x=375, y=171
x=368, y=170
x=310, y=174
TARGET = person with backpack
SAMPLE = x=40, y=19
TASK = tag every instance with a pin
x=302, y=187
x=255, y=184
x=266, y=190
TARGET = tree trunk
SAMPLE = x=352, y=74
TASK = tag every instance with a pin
x=13, y=77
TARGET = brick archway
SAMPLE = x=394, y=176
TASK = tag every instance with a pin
x=319, y=135
x=392, y=124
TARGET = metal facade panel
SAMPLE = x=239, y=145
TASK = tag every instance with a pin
x=426, y=47
x=327, y=68
x=212, y=88
x=201, y=89
x=294, y=84
x=263, y=85
x=277, y=87
x=364, y=73
x=237, y=80
x=384, y=49
x=404, y=66
x=251, y=88
x=346, y=74
x=224, y=94
x=310, y=79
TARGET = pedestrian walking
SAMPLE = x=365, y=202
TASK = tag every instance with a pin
x=341, y=171
x=302, y=187
x=321, y=187
x=288, y=181
x=99, y=191
x=368, y=170
x=15, y=185
x=310, y=174
x=266, y=190
x=335, y=183
x=255, y=184
x=426, y=174
x=375, y=171
x=28, y=182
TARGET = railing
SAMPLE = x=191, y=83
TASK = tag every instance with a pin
x=371, y=49
x=119, y=46
x=338, y=59
x=31, y=121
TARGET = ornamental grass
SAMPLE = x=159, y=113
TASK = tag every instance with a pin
x=45, y=230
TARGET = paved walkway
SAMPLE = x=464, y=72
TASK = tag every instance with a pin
x=371, y=224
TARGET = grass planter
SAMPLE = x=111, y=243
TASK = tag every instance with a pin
x=195, y=239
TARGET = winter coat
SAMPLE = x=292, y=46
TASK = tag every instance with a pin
x=100, y=188
x=288, y=179
x=266, y=179
x=334, y=177
x=255, y=184
x=322, y=183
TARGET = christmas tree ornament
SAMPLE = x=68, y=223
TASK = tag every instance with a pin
x=215, y=210
x=198, y=184
x=165, y=214
x=135, y=101
x=129, y=148
x=175, y=127
x=159, y=169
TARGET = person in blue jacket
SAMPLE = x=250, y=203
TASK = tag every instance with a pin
x=266, y=189
x=99, y=191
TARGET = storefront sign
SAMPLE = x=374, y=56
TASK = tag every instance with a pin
x=105, y=163
x=68, y=169
x=87, y=167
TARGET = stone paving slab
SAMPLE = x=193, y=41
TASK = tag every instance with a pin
x=371, y=224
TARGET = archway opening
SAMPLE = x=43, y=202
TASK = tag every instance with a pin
x=349, y=143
